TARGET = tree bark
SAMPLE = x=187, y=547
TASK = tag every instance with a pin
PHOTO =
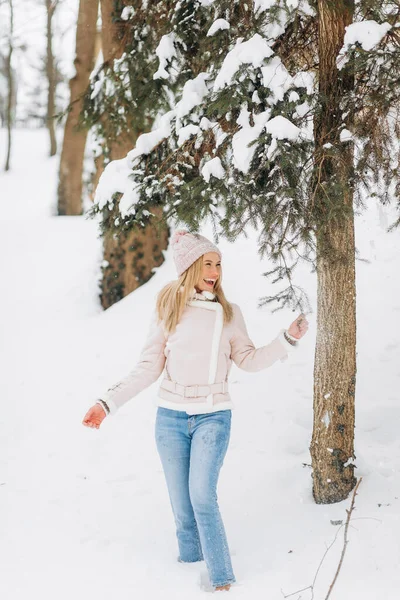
x=10, y=85
x=51, y=78
x=332, y=445
x=129, y=257
x=73, y=150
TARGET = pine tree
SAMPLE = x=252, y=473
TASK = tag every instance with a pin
x=282, y=115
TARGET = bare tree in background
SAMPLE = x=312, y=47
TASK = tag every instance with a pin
x=10, y=86
x=51, y=6
x=73, y=150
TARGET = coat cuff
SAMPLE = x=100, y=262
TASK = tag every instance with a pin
x=287, y=345
x=111, y=405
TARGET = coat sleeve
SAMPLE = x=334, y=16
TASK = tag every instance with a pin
x=249, y=358
x=147, y=370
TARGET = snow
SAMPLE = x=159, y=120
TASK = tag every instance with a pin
x=242, y=153
x=186, y=132
x=213, y=168
x=219, y=134
x=346, y=135
x=193, y=94
x=218, y=25
x=127, y=13
x=279, y=127
x=326, y=419
x=263, y=5
x=165, y=52
x=276, y=78
x=96, y=88
x=118, y=177
x=282, y=129
x=255, y=97
x=302, y=109
x=272, y=148
x=253, y=52
x=305, y=79
x=366, y=33
x=86, y=513
x=115, y=178
x=147, y=141
x=306, y=8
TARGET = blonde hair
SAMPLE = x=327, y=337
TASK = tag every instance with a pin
x=174, y=297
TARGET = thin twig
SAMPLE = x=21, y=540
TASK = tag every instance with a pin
x=297, y=592
x=346, y=528
x=346, y=541
x=322, y=560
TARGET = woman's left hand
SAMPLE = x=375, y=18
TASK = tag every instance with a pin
x=299, y=327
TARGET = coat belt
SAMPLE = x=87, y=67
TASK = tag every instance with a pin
x=194, y=391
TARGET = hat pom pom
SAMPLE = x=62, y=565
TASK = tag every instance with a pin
x=177, y=235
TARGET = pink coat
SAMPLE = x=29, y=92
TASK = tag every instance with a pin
x=196, y=359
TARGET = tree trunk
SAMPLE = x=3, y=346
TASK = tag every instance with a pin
x=51, y=79
x=332, y=445
x=130, y=257
x=73, y=150
x=10, y=85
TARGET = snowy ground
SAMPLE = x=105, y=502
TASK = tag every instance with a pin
x=85, y=513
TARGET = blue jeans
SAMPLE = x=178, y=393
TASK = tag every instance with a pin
x=192, y=449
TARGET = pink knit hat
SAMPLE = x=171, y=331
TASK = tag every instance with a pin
x=188, y=247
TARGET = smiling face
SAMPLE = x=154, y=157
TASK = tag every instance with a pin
x=211, y=272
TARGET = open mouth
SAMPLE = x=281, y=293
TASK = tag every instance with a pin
x=209, y=282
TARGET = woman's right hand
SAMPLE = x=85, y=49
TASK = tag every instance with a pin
x=94, y=416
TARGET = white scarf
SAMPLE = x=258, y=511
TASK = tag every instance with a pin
x=204, y=295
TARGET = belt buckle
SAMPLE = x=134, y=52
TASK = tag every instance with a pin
x=191, y=387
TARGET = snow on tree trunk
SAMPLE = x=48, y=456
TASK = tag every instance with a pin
x=131, y=255
x=72, y=155
x=332, y=445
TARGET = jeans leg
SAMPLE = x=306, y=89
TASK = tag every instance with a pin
x=173, y=445
x=209, y=445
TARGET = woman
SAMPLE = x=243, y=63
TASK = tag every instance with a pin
x=194, y=336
